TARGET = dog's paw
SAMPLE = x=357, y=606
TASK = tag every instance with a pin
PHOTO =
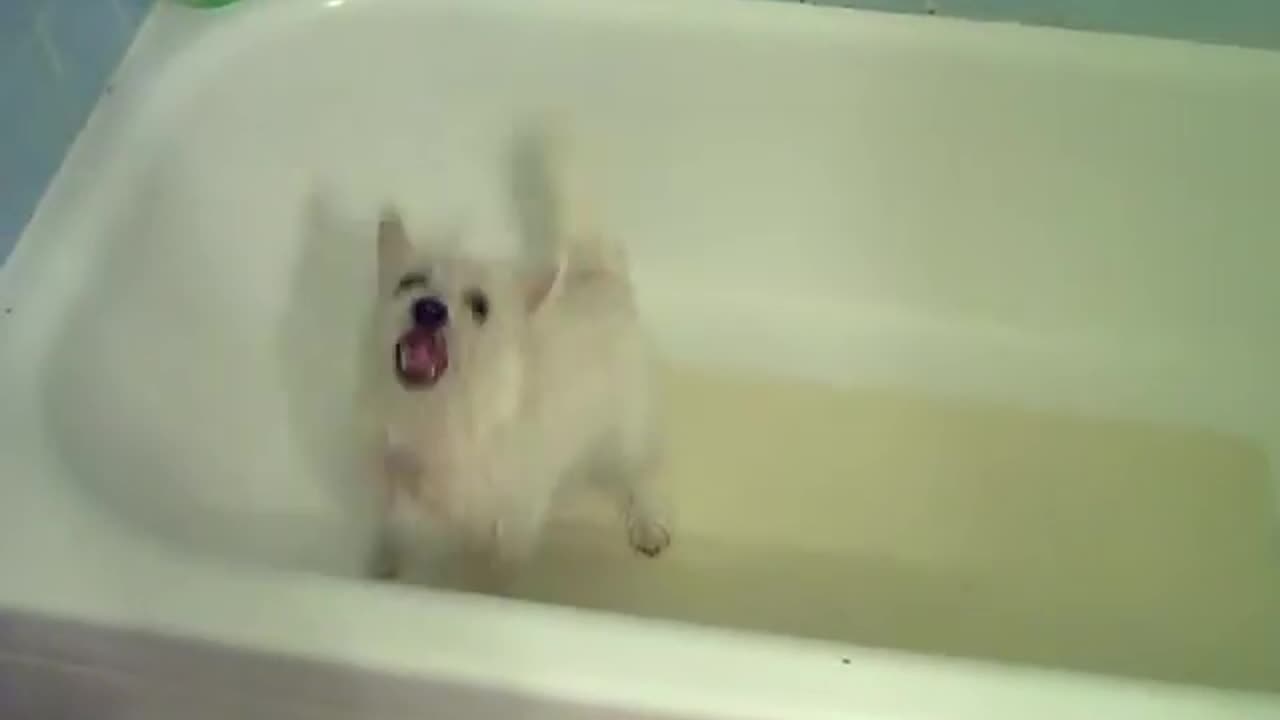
x=648, y=536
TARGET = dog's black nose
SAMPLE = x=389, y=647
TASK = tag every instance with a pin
x=430, y=313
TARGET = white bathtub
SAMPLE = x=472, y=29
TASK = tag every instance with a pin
x=971, y=327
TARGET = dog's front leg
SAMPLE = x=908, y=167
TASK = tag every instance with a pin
x=505, y=544
x=398, y=472
x=515, y=538
x=644, y=508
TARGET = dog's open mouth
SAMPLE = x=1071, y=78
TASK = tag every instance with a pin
x=421, y=357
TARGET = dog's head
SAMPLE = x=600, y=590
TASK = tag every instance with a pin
x=445, y=317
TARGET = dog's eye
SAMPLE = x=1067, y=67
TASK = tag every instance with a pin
x=478, y=304
x=410, y=281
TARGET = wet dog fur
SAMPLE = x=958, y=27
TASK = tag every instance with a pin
x=536, y=380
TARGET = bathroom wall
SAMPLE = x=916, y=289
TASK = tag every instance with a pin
x=55, y=58
x=1253, y=23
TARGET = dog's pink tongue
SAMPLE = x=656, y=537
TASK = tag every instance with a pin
x=421, y=357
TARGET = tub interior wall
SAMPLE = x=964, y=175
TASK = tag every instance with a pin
x=967, y=341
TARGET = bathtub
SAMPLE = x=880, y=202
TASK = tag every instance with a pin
x=968, y=333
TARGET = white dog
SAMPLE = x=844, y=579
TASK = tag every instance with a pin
x=500, y=385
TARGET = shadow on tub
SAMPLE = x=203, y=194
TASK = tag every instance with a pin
x=192, y=423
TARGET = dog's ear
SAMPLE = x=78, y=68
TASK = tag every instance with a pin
x=394, y=248
x=541, y=284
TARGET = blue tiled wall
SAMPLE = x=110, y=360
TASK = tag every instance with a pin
x=55, y=58
x=1254, y=23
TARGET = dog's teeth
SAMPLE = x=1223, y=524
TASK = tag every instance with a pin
x=402, y=357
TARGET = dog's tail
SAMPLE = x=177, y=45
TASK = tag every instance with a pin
x=579, y=243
